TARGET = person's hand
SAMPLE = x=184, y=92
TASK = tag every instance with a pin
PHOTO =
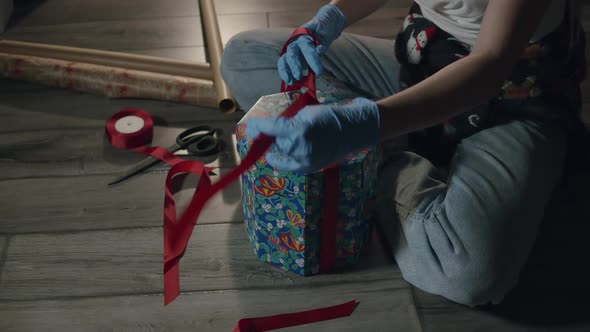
x=301, y=54
x=319, y=135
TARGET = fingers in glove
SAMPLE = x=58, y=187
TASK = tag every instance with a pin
x=277, y=127
x=294, y=59
x=284, y=70
x=282, y=162
x=311, y=54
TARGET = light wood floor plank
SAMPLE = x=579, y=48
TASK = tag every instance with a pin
x=191, y=53
x=116, y=35
x=3, y=244
x=86, y=203
x=229, y=25
x=79, y=11
x=224, y=7
x=87, y=151
x=440, y=315
x=383, y=307
x=140, y=34
x=399, y=3
x=273, y=6
x=384, y=23
x=102, y=263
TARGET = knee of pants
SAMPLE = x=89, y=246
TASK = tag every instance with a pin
x=472, y=288
x=252, y=50
x=437, y=261
x=232, y=54
x=249, y=64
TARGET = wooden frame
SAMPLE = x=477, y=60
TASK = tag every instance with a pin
x=182, y=81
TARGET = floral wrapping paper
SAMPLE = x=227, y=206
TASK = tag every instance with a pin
x=112, y=82
x=282, y=210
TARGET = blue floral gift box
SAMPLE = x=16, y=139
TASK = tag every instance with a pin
x=283, y=210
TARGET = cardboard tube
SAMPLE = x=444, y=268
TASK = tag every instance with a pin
x=226, y=102
x=108, y=81
x=112, y=59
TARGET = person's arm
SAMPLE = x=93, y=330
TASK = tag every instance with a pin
x=505, y=31
x=355, y=10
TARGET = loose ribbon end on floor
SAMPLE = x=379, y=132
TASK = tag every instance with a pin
x=261, y=324
x=171, y=285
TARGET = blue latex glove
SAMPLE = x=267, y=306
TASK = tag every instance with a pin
x=301, y=54
x=319, y=135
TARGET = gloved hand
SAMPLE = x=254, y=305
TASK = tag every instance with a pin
x=326, y=26
x=319, y=135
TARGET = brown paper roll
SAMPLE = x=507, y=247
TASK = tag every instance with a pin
x=226, y=102
x=108, y=81
x=111, y=59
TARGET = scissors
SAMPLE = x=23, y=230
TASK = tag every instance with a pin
x=198, y=141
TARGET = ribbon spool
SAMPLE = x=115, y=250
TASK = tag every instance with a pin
x=130, y=128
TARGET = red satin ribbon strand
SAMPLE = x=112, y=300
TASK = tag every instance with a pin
x=176, y=239
x=173, y=250
x=329, y=223
x=160, y=153
x=331, y=175
x=294, y=319
x=177, y=234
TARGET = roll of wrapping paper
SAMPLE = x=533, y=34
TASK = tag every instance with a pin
x=112, y=82
x=226, y=102
x=110, y=59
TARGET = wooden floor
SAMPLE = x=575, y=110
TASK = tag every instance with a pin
x=76, y=255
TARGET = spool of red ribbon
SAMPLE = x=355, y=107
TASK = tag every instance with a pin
x=130, y=128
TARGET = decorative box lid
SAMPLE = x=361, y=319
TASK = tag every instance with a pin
x=272, y=106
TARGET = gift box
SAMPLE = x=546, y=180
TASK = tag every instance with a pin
x=288, y=220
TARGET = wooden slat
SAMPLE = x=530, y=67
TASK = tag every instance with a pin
x=116, y=35
x=274, y=6
x=440, y=315
x=192, y=53
x=437, y=314
x=229, y=25
x=384, y=23
x=87, y=151
x=225, y=7
x=79, y=11
x=399, y=3
x=84, y=203
x=383, y=307
x=3, y=243
x=140, y=34
x=101, y=263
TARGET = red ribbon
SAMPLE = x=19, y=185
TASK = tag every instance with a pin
x=329, y=220
x=331, y=175
x=177, y=232
x=293, y=319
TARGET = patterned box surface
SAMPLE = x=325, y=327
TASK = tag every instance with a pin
x=283, y=210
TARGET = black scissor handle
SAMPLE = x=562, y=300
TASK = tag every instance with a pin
x=206, y=146
x=193, y=135
x=199, y=141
